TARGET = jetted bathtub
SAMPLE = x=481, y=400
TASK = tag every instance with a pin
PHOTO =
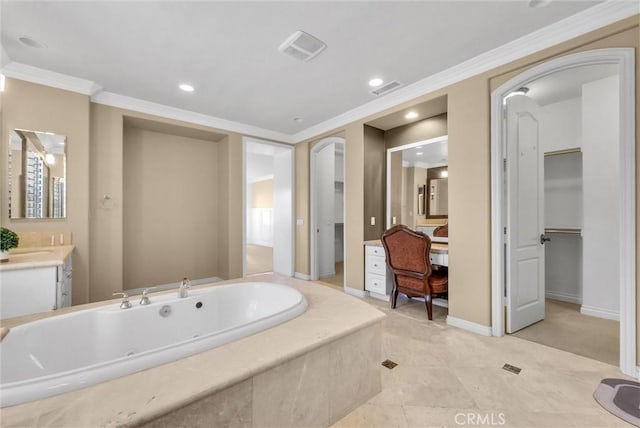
x=72, y=351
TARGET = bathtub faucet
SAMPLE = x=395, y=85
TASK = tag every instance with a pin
x=184, y=285
x=126, y=304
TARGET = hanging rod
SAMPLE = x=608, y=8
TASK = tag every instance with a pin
x=564, y=231
x=563, y=152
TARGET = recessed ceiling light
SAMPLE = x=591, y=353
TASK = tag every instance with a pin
x=375, y=82
x=419, y=147
x=298, y=119
x=50, y=159
x=28, y=41
x=186, y=87
x=538, y=3
x=411, y=115
x=419, y=154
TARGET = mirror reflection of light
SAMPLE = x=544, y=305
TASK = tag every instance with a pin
x=444, y=174
x=51, y=159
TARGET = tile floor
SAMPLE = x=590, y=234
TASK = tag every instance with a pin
x=447, y=377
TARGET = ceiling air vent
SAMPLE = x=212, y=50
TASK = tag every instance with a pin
x=386, y=88
x=302, y=46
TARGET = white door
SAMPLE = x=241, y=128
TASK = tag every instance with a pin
x=525, y=214
x=325, y=228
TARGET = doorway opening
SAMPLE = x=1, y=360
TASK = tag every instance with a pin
x=268, y=201
x=327, y=211
x=563, y=206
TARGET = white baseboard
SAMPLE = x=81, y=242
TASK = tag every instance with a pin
x=302, y=276
x=473, y=327
x=600, y=312
x=378, y=296
x=354, y=292
x=563, y=297
x=261, y=243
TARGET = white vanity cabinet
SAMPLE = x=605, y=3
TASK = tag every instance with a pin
x=377, y=277
x=29, y=290
x=64, y=281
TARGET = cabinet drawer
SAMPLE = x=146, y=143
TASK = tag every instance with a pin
x=437, y=259
x=376, y=283
x=375, y=250
x=377, y=265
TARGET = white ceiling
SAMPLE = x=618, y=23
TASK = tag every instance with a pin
x=566, y=84
x=427, y=155
x=228, y=50
x=52, y=143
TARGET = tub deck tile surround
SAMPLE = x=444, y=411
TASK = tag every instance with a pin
x=222, y=374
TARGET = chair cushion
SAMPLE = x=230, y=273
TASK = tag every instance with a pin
x=438, y=282
x=411, y=283
x=441, y=231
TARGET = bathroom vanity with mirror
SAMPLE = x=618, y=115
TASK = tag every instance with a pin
x=417, y=182
x=36, y=175
x=417, y=197
x=36, y=279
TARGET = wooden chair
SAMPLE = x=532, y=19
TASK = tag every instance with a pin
x=407, y=253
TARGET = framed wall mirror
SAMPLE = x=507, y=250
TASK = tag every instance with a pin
x=438, y=192
x=36, y=175
x=411, y=171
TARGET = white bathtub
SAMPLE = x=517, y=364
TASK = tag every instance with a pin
x=79, y=349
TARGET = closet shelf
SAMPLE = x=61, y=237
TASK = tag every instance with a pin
x=563, y=152
x=563, y=230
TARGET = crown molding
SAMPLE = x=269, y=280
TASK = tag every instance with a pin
x=591, y=19
x=17, y=70
x=142, y=106
x=573, y=26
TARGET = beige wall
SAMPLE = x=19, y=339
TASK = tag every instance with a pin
x=469, y=203
x=169, y=182
x=107, y=172
x=354, y=206
x=231, y=216
x=302, y=167
x=41, y=108
x=419, y=131
x=375, y=166
x=107, y=154
x=397, y=179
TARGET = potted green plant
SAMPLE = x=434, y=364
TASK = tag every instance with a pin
x=8, y=240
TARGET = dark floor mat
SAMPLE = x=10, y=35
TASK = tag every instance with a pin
x=620, y=397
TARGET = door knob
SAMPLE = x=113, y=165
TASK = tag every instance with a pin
x=544, y=239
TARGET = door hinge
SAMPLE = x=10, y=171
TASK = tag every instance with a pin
x=504, y=164
x=505, y=230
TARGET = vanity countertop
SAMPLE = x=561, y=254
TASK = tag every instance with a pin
x=436, y=247
x=36, y=257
